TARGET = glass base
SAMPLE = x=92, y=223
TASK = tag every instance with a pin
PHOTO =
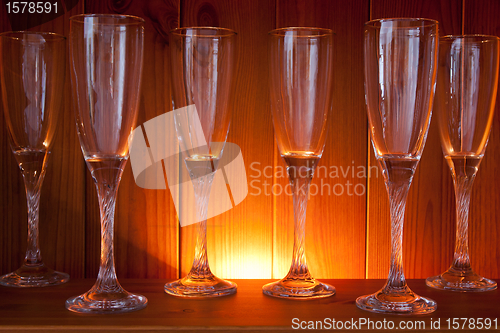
x=460, y=281
x=33, y=276
x=407, y=304
x=106, y=302
x=298, y=289
x=208, y=287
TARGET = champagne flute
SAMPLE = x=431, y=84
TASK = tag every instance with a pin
x=465, y=101
x=32, y=71
x=400, y=75
x=106, y=54
x=202, y=61
x=301, y=65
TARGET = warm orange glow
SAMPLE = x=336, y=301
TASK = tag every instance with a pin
x=252, y=268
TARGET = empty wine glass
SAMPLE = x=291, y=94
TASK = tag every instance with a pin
x=32, y=71
x=400, y=74
x=465, y=101
x=106, y=53
x=301, y=82
x=202, y=61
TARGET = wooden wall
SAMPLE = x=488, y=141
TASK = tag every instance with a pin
x=347, y=234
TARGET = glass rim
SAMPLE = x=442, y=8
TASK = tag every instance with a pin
x=324, y=31
x=10, y=35
x=227, y=32
x=427, y=22
x=478, y=38
x=134, y=20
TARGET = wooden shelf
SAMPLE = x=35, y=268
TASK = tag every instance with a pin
x=43, y=308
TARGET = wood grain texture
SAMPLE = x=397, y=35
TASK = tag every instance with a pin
x=240, y=240
x=146, y=225
x=347, y=236
x=447, y=12
x=428, y=230
x=248, y=310
x=484, y=238
x=335, y=227
x=62, y=214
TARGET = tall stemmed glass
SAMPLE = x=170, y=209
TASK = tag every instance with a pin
x=32, y=71
x=301, y=82
x=400, y=74
x=465, y=100
x=106, y=53
x=202, y=60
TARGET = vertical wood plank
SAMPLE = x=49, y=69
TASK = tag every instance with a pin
x=429, y=224
x=335, y=227
x=254, y=239
x=146, y=226
x=481, y=17
x=62, y=214
x=240, y=240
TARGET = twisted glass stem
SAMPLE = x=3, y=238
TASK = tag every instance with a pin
x=200, y=268
x=396, y=297
x=106, y=279
x=33, y=184
x=463, y=189
x=300, y=188
x=107, y=179
x=398, y=192
x=398, y=175
x=33, y=272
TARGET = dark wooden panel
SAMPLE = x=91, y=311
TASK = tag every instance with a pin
x=429, y=224
x=335, y=230
x=146, y=226
x=62, y=214
x=447, y=12
x=4, y=22
x=240, y=240
x=481, y=17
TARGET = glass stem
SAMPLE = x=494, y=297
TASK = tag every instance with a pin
x=397, y=197
x=33, y=185
x=398, y=175
x=300, y=188
x=200, y=268
x=463, y=188
x=107, y=181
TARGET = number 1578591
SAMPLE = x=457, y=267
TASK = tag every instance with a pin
x=31, y=7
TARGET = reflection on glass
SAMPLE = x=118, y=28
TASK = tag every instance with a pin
x=106, y=53
x=465, y=101
x=32, y=70
x=202, y=61
x=301, y=82
x=400, y=74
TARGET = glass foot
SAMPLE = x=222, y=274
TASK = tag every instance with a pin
x=298, y=289
x=460, y=281
x=208, y=287
x=106, y=302
x=407, y=303
x=33, y=276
